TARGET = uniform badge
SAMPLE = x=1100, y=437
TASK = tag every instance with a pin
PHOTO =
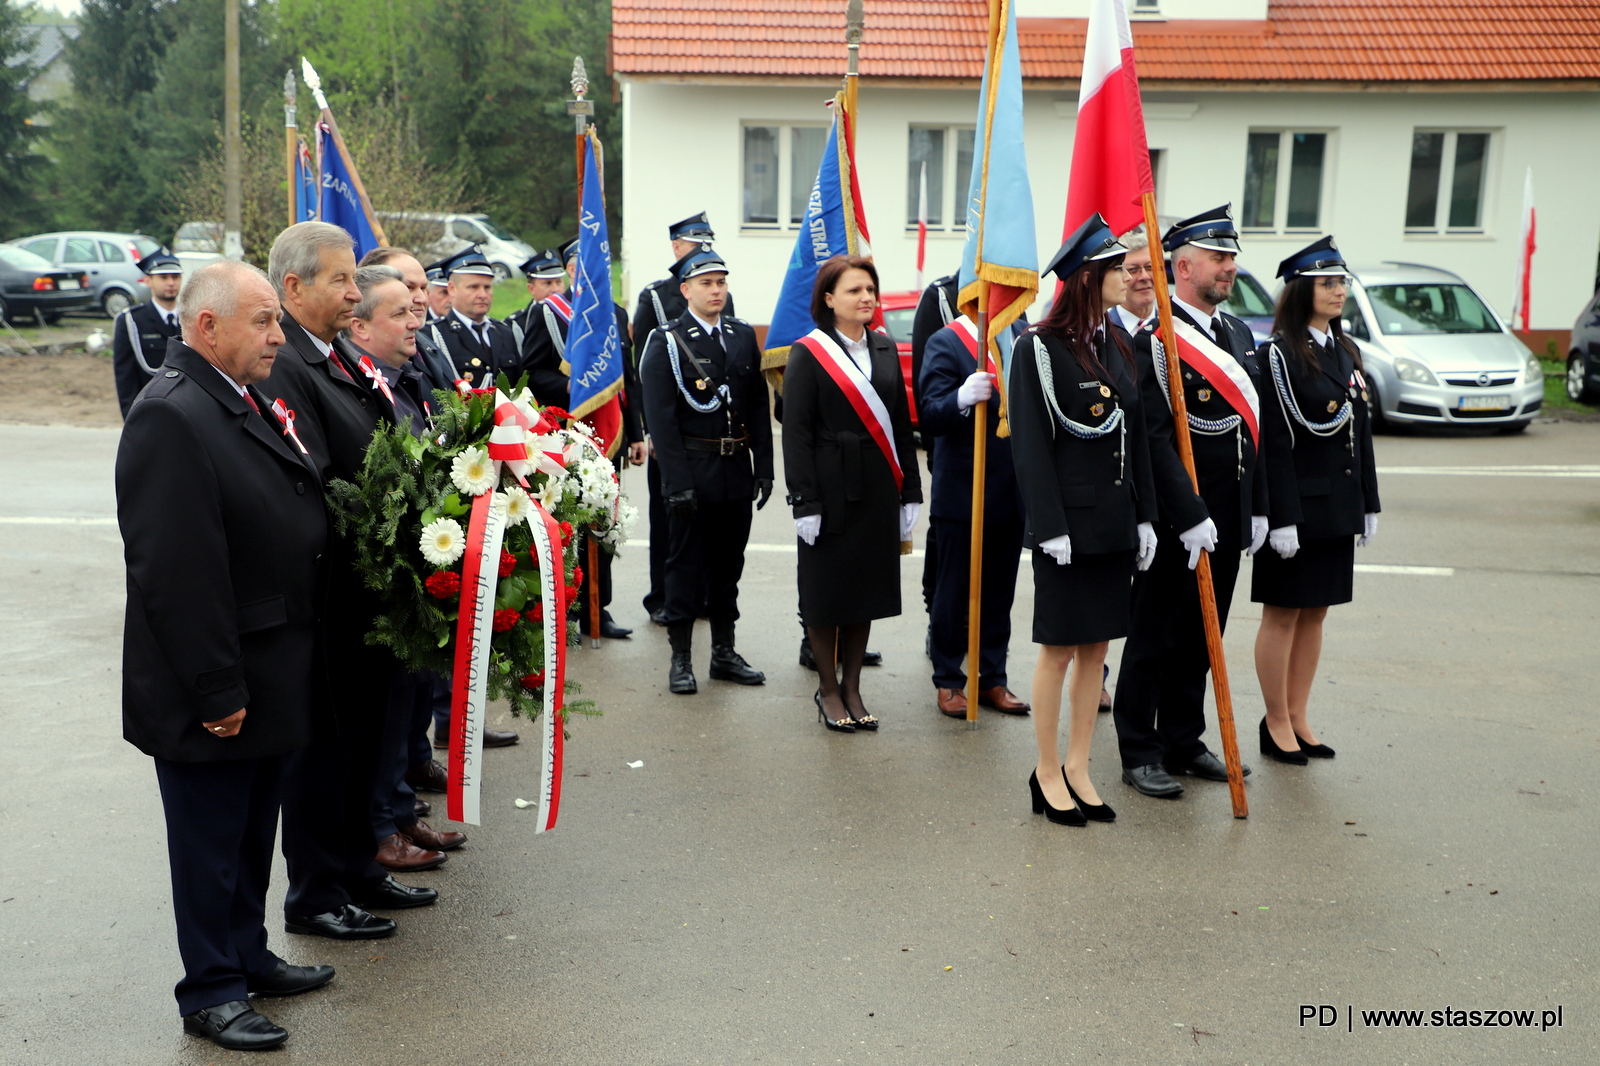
x=1204, y=395
x=1098, y=409
x=1364, y=396
x=477, y=362
x=1105, y=390
x=1333, y=405
x=701, y=384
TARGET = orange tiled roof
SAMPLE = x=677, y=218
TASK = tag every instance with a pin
x=1301, y=40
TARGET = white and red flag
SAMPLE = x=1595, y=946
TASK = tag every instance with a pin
x=1525, y=249
x=922, y=221
x=1110, y=156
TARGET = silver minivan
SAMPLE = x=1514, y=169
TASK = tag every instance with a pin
x=436, y=235
x=1436, y=354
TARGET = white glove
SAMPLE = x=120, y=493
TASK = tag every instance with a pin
x=1285, y=540
x=908, y=519
x=808, y=527
x=1202, y=537
x=1058, y=548
x=976, y=389
x=1258, y=533
x=1147, y=545
x=1369, y=529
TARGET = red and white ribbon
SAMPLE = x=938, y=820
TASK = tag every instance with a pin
x=864, y=399
x=480, y=576
x=374, y=376
x=552, y=723
x=285, y=415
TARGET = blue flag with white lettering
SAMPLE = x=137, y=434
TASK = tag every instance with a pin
x=340, y=204
x=594, y=345
x=305, y=183
x=824, y=234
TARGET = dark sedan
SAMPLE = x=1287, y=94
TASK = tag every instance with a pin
x=1583, y=356
x=31, y=287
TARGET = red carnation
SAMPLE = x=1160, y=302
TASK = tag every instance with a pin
x=508, y=563
x=533, y=557
x=577, y=576
x=566, y=534
x=443, y=584
x=535, y=616
x=572, y=594
x=504, y=620
x=533, y=682
x=556, y=412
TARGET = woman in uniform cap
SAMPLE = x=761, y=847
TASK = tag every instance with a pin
x=1083, y=462
x=1322, y=491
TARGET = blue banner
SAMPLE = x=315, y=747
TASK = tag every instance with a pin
x=594, y=347
x=824, y=235
x=340, y=204
x=305, y=184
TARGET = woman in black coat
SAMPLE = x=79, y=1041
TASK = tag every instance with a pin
x=851, y=469
x=1083, y=462
x=1322, y=491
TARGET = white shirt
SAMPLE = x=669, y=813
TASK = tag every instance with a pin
x=168, y=315
x=860, y=353
x=236, y=386
x=1320, y=337
x=473, y=326
x=322, y=346
x=1201, y=318
x=1130, y=321
x=709, y=327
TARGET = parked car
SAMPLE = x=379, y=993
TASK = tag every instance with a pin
x=31, y=285
x=445, y=234
x=1250, y=302
x=197, y=243
x=110, y=259
x=1436, y=354
x=899, y=309
x=1583, y=356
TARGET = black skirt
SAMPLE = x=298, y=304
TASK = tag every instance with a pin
x=1321, y=574
x=852, y=576
x=1085, y=602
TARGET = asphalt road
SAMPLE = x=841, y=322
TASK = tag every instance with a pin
x=764, y=891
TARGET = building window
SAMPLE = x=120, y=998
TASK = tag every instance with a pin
x=1448, y=172
x=1291, y=161
x=949, y=173
x=780, y=166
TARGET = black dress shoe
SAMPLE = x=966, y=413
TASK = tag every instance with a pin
x=610, y=630
x=729, y=665
x=1205, y=765
x=1315, y=751
x=429, y=778
x=1094, y=812
x=391, y=895
x=1059, y=815
x=680, y=676
x=658, y=616
x=421, y=808
x=1270, y=749
x=347, y=923
x=808, y=658
x=871, y=658
x=235, y=1026
x=1152, y=780
x=289, y=980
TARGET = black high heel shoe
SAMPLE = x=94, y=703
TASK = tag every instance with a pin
x=1270, y=749
x=868, y=722
x=1070, y=816
x=1315, y=751
x=1093, y=812
x=846, y=726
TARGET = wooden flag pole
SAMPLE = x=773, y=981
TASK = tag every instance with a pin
x=980, y=469
x=310, y=75
x=291, y=137
x=581, y=109
x=1208, y=596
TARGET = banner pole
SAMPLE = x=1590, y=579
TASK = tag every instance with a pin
x=291, y=136
x=1208, y=596
x=980, y=469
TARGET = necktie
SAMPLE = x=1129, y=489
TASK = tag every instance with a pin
x=483, y=334
x=172, y=321
x=1220, y=335
x=251, y=400
x=716, y=335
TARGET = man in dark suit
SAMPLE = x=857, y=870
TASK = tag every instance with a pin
x=952, y=383
x=139, y=335
x=223, y=530
x=430, y=360
x=336, y=401
x=480, y=348
x=705, y=401
x=1159, y=708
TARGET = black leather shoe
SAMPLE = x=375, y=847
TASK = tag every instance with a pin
x=871, y=658
x=391, y=895
x=680, y=677
x=808, y=658
x=1152, y=780
x=1270, y=749
x=499, y=738
x=421, y=808
x=1205, y=765
x=610, y=630
x=729, y=665
x=347, y=923
x=289, y=980
x=658, y=616
x=235, y=1026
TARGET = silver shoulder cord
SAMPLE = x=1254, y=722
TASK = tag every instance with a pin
x=1291, y=408
x=1047, y=384
x=945, y=311
x=554, y=330
x=516, y=332
x=655, y=301
x=444, y=349
x=126, y=318
x=717, y=398
x=1210, y=427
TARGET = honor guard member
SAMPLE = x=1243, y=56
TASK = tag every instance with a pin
x=480, y=348
x=1160, y=703
x=544, y=341
x=438, y=293
x=706, y=404
x=661, y=303
x=545, y=277
x=140, y=334
x=936, y=309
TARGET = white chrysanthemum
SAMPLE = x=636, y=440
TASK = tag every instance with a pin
x=550, y=495
x=472, y=472
x=519, y=508
x=443, y=541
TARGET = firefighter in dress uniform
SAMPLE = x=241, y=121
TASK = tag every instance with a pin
x=480, y=348
x=545, y=277
x=139, y=335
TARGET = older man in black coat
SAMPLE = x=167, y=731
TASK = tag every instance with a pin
x=223, y=530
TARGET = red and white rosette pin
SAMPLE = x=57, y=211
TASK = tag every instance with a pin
x=285, y=416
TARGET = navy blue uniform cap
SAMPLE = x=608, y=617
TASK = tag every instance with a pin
x=545, y=264
x=705, y=261
x=1091, y=241
x=1213, y=229
x=1319, y=260
x=693, y=228
x=160, y=263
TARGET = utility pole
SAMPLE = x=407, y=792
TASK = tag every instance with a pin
x=232, y=202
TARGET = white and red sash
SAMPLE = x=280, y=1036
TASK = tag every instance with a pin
x=857, y=389
x=967, y=330
x=480, y=575
x=1222, y=372
x=553, y=609
x=559, y=305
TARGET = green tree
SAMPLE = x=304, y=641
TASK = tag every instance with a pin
x=22, y=170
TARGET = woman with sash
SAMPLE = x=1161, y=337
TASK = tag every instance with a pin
x=1083, y=461
x=851, y=469
x=1322, y=491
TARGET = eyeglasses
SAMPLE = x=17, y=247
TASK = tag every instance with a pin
x=1336, y=284
x=1142, y=268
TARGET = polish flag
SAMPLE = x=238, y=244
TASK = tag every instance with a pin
x=1519, y=303
x=1110, y=156
x=922, y=221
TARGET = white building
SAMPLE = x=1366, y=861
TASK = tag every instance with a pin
x=1405, y=129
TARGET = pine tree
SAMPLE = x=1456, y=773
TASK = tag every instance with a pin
x=22, y=169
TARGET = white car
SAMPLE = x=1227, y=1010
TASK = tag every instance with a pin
x=436, y=235
x=1436, y=354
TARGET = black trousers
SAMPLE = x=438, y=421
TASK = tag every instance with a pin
x=660, y=538
x=392, y=803
x=1160, y=701
x=1002, y=554
x=221, y=820
x=421, y=751
x=707, y=553
x=930, y=545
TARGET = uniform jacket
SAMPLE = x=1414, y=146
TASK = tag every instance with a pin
x=830, y=462
x=1325, y=482
x=936, y=309
x=1095, y=490
x=1230, y=471
x=476, y=366
x=139, y=338
x=223, y=531
x=550, y=375
x=715, y=478
x=434, y=362
x=946, y=363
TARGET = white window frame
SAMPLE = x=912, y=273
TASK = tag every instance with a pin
x=1280, y=204
x=785, y=179
x=955, y=185
x=1447, y=173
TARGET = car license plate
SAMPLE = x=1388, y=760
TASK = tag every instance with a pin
x=67, y=283
x=1483, y=403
